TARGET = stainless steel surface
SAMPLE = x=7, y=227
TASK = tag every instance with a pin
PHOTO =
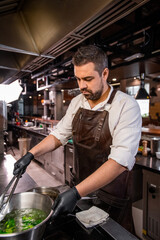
x=89, y=198
x=30, y=200
x=69, y=163
x=116, y=231
x=151, y=205
x=52, y=192
x=3, y=115
x=35, y=31
x=3, y=124
x=36, y=27
x=6, y=173
x=155, y=145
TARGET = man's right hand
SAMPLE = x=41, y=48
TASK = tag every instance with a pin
x=22, y=163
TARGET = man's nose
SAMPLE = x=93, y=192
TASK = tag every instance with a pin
x=82, y=84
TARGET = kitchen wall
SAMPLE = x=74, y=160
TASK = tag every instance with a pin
x=154, y=107
x=155, y=102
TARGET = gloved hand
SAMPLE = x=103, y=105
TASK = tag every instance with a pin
x=22, y=163
x=65, y=202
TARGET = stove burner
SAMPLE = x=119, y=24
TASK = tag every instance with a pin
x=58, y=235
x=69, y=228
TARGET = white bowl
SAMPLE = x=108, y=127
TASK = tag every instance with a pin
x=158, y=155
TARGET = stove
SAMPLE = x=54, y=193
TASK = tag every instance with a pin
x=70, y=228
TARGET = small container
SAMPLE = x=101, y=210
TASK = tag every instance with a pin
x=144, y=151
x=155, y=145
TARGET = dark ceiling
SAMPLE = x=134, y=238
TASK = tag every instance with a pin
x=39, y=37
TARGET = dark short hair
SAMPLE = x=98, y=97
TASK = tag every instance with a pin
x=91, y=53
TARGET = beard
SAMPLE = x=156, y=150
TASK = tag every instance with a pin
x=92, y=96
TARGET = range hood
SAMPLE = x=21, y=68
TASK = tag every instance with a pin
x=35, y=32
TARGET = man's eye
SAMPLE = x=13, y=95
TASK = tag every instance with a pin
x=88, y=79
x=84, y=79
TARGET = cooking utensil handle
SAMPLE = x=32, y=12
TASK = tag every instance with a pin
x=5, y=191
x=89, y=198
x=9, y=185
x=14, y=187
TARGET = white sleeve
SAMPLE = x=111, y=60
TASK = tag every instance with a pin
x=126, y=135
x=63, y=130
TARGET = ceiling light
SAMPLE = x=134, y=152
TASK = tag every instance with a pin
x=114, y=79
x=134, y=56
x=11, y=92
x=142, y=93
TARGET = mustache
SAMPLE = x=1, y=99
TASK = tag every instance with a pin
x=85, y=90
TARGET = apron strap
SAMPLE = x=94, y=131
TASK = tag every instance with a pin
x=100, y=125
x=112, y=96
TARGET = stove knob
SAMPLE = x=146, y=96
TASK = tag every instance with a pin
x=152, y=188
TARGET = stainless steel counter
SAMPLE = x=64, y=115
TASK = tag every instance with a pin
x=151, y=163
x=43, y=132
x=6, y=173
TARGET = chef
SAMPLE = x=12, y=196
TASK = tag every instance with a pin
x=105, y=125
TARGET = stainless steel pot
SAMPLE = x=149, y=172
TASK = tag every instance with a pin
x=52, y=192
x=155, y=145
x=30, y=200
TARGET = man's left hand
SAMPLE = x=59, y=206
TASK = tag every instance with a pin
x=65, y=202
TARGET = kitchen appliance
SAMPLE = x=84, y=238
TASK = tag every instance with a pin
x=68, y=228
x=30, y=200
x=3, y=115
x=151, y=205
x=155, y=145
x=69, y=163
x=3, y=125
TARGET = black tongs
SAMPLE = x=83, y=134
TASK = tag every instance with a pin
x=4, y=200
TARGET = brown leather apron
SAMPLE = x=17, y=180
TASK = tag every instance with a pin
x=92, y=141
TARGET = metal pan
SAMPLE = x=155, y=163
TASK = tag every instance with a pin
x=49, y=191
x=30, y=200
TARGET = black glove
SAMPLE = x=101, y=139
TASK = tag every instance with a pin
x=65, y=202
x=22, y=163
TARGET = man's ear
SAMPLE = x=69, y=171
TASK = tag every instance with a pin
x=105, y=73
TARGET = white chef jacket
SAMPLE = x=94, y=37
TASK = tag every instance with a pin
x=124, y=123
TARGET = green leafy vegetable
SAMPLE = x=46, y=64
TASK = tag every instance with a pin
x=21, y=219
